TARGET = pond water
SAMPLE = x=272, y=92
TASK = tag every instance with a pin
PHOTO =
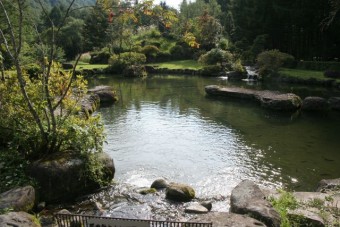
x=166, y=127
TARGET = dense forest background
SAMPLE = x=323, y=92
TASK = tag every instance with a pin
x=244, y=27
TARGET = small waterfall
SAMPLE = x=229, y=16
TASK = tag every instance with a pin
x=252, y=73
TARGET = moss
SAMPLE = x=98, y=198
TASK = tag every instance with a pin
x=148, y=191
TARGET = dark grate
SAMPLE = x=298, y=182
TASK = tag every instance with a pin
x=75, y=220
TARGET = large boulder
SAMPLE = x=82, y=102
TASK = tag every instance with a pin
x=268, y=99
x=327, y=185
x=334, y=103
x=228, y=219
x=18, y=199
x=63, y=177
x=106, y=94
x=19, y=219
x=276, y=101
x=180, y=192
x=247, y=198
x=313, y=103
x=159, y=184
x=316, y=208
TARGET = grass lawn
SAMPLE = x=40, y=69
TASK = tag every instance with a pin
x=183, y=64
x=303, y=74
x=82, y=65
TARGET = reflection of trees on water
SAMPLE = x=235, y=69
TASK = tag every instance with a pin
x=295, y=148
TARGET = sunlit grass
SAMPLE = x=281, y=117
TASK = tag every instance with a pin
x=301, y=73
x=183, y=64
x=83, y=65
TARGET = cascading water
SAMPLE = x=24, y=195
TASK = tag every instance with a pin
x=252, y=73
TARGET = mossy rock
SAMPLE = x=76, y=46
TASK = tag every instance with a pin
x=63, y=177
x=180, y=192
x=148, y=191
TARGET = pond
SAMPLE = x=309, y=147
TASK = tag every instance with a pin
x=165, y=126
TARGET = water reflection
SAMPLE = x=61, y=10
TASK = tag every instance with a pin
x=166, y=127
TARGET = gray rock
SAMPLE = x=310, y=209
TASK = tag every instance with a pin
x=314, y=104
x=277, y=101
x=207, y=204
x=329, y=185
x=18, y=219
x=180, y=192
x=334, y=103
x=106, y=94
x=247, y=198
x=196, y=208
x=220, y=219
x=64, y=211
x=90, y=104
x=310, y=218
x=329, y=200
x=18, y=199
x=268, y=99
x=159, y=184
x=62, y=177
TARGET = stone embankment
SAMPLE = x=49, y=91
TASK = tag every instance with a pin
x=275, y=100
x=269, y=99
x=249, y=205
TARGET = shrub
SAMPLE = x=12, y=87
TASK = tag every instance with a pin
x=33, y=70
x=155, y=43
x=270, y=61
x=215, y=56
x=135, y=71
x=119, y=63
x=211, y=70
x=85, y=57
x=73, y=131
x=150, y=50
x=177, y=51
x=100, y=57
x=238, y=67
x=224, y=44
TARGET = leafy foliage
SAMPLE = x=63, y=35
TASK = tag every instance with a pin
x=118, y=63
x=215, y=56
x=285, y=202
x=74, y=132
x=13, y=167
x=270, y=61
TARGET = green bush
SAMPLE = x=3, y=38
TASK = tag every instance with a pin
x=135, y=71
x=155, y=43
x=211, y=70
x=215, y=56
x=119, y=63
x=150, y=51
x=73, y=131
x=270, y=61
x=177, y=52
x=100, y=57
x=85, y=57
x=237, y=66
x=33, y=70
x=224, y=44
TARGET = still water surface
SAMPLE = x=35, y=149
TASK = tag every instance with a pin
x=166, y=127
